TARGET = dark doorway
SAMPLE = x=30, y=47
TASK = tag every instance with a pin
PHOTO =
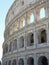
x=30, y=61
x=42, y=61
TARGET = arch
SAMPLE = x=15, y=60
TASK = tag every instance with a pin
x=43, y=36
x=21, y=61
x=42, y=12
x=42, y=60
x=15, y=44
x=30, y=61
x=30, y=16
x=30, y=39
x=21, y=42
x=14, y=62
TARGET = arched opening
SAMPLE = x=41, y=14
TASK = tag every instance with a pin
x=21, y=42
x=30, y=17
x=15, y=44
x=30, y=39
x=14, y=62
x=30, y=61
x=42, y=13
x=42, y=61
x=43, y=36
x=22, y=22
x=21, y=62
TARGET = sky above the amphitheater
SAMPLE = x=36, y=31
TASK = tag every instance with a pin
x=4, y=6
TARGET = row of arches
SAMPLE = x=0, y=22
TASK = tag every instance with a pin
x=40, y=13
x=30, y=41
x=30, y=61
x=30, y=17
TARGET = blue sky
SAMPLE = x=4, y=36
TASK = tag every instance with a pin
x=4, y=6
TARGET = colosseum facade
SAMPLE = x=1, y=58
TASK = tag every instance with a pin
x=26, y=36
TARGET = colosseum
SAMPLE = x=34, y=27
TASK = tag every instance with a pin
x=26, y=36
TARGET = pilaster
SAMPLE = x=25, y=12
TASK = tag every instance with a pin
x=35, y=15
x=19, y=23
x=11, y=62
x=47, y=32
x=25, y=60
x=25, y=19
x=17, y=61
x=35, y=38
x=25, y=40
x=18, y=43
x=35, y=59
x=46, y=9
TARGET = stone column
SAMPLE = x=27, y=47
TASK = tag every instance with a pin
x=25, y=40
x=8, y=47
x=46, y=9
x=25, y=60
x=35, y=38
x=18, y=43
x=19, y=23
x=25, y=19
x=7, y=62
x=47, y=32
x=11, y=62
x=12, y=46
x=35, y=59
x=35, y=15
x=17, y=61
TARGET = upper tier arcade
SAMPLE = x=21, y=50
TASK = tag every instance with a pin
x=23, y=13
x=17, y=7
